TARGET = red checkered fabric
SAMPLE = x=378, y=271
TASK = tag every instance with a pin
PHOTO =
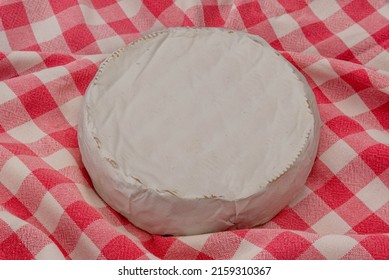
x=50, y=51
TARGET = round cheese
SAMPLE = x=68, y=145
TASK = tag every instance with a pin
x=189, y=131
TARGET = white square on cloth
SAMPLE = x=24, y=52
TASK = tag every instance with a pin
x=46, y=30
x=324, y=9
x=338, y=156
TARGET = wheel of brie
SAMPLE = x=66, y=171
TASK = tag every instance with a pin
x=196, y=130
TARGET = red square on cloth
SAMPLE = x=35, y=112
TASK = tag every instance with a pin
x=289, y=219
x=78, y=37
x=358, y=80
x=212, y=16
x=157, y=7
x=17, y=208
x=50, y=178
x=103, y=3
x=344, y=126
x=382, y=115
x=358, y=10
x=348, y=55
x=316, y=32
x=382, y=37
x=372, y=224
x=38, y=101
x=13, y=15
x=66, y=137
x=82, y=77
x=121, y=248
x=334, y=193
x=292, y=6
x=82, y=214
x=19, y=149
x=13, y=248
x=59, y=6
x=123, y=26
x=377, y=246
x=288, y=245
x=54, y=60
x=158, y=245
x=377, y=157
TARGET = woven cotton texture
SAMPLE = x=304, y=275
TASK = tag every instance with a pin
x=50, y=51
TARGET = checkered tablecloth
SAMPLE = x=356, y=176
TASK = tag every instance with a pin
x=50, y=51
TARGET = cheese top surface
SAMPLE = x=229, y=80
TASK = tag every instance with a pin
x=199, y=113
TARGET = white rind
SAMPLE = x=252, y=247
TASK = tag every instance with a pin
x=164, y=210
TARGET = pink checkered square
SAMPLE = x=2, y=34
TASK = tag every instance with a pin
x=360, y=212
x=27, y=44
x=36, y=13
x=13, y=114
